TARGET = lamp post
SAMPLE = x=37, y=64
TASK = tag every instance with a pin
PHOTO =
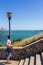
x=9, y=14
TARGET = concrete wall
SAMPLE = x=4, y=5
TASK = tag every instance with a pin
x=18, y=53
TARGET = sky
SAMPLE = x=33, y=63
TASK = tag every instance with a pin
x=26, y=14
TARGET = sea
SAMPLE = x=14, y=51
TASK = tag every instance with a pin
x=18, y=34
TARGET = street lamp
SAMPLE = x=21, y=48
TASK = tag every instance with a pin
x=9, y=14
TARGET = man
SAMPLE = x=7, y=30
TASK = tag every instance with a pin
x=8, y=49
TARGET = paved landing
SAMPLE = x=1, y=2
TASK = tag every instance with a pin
x=3, y=62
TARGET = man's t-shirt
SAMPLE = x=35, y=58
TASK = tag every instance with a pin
x=8, y=43
x=8, y=46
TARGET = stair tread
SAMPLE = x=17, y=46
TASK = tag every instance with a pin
x=21, y=62
x=32, y=60
x=38, y=59
x=42, y=54
x=26, y=61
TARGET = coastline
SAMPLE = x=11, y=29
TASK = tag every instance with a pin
x=24, y=42
x=18, y=34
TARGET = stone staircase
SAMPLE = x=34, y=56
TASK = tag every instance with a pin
x=33, y=60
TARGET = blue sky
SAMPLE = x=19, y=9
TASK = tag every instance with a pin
x=27, y=14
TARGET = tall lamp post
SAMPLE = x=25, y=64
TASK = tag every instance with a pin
x=9, y=14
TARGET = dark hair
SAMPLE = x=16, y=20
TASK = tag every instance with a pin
x=8, y=37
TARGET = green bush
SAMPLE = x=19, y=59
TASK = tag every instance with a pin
x=0, y=45
x=16, y=40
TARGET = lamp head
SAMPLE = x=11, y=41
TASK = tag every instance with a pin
x=9, y=14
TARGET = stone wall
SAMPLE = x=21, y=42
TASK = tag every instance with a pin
x=24, y=52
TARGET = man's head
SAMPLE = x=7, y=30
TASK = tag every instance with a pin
x=8, y=37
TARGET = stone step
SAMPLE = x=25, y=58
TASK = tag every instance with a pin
x=21, y=62
x=38, y=59
x=42, y=55
x=26, y=61
x=31, y=60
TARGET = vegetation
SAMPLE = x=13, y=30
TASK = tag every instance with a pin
x=16, y=40
x=24, y=42
x=28, y=40
x=2, y=45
